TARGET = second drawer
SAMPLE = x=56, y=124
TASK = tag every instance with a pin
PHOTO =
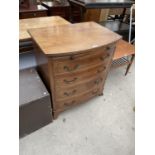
x=69, y=92
x=74, y=79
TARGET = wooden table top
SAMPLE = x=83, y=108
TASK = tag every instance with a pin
x=123, y=48
x=104, y=3
x=25, y=24
x=73, y=38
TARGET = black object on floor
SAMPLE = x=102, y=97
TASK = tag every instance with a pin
x=34, y=102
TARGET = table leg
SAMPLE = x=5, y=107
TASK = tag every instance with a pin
x=122, y=15
x=129, y=65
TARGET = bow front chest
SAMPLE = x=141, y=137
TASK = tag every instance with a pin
x=73, y=61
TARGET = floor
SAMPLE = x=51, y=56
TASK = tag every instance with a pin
x=102, y=126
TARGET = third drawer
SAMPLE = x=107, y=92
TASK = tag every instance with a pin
x=94, y=82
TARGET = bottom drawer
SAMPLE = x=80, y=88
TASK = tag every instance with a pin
x=65, y=104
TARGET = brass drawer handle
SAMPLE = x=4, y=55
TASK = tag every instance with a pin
x=70, y=81
x=94, y=92
x=70, y=103
x=34, y=14
x=70, y=94
x=71, y=58
x=101, y=70
x=98, y=81
x=66, y=68
x=103, y=58
x=108, y=47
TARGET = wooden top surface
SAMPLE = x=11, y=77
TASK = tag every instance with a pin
x=73, y=38
x=25, y=24
x=123, y=48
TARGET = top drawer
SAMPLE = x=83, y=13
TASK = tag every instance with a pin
x=24, y=15
x=81, y=62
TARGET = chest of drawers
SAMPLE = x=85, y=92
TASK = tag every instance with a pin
x=56, y=8
x=73, y=61
x=32, y=12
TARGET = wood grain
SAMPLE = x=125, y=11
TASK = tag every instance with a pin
x=25, y=24
x=74, y=70
x=73, y=38
x=92, y=15
x=123, y=49
x=67, y=92
x=81, y=62
x=72, y=101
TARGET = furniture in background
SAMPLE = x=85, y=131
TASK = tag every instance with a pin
x=75, y=14
x=123, y=51
x=73, y=70
x=32, y=11
x=25, y=24
x=24, y=3
x=116, y=13
x=92, y=10
x=118, y=27
x=34, y=102
x=25, y=42
x=57, y=8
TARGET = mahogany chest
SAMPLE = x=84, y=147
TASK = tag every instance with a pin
x=58, y=8
x=73, y=61
x=32, y=11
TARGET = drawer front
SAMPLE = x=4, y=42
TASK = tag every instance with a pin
x=78, y=78
x=80, y=63
x=67, y=103
x=59, y=11
x=61, y=14
x=68, y=92
x=33, y=14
